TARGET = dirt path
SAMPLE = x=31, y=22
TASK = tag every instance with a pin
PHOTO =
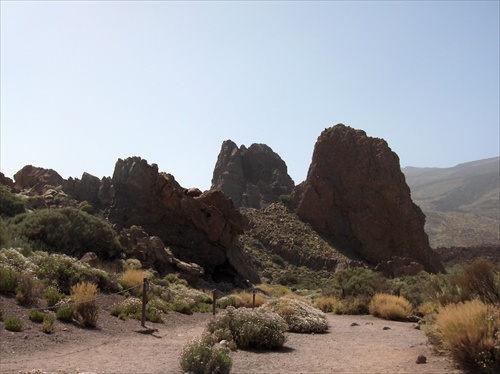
x=363, y=348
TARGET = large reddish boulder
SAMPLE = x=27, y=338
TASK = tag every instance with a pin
x=37, y=179
x=356, y=194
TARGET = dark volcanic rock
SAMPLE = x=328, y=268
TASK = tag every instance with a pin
x=6, y=181
x=37, y=179
x=85, y=189
x=202, y=229
x=253, y=177
x=356, y=194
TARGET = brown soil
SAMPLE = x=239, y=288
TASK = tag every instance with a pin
x=116, y=346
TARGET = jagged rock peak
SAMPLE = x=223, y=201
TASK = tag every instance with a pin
x=253, y=177
x=356, y=194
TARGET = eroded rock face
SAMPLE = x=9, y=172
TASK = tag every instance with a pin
x=253, y=177
x=85, y=189
x=37, y=179
x=356, y=194
x=200, y=229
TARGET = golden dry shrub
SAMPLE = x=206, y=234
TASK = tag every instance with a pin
x=470, y=330
x=329, y=304
x=246, y=299
x=134, y=278
x=427, y=308
x=86, y=310
x=390, y=307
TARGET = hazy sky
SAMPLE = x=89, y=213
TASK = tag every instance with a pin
x=86, y=83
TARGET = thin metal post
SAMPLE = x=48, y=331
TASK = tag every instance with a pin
x=253, y=298
x=144, y=301
x=214, y=299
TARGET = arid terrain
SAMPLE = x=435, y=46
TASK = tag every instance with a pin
x=353, y=344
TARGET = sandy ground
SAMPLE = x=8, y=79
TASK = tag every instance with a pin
x=353, y=344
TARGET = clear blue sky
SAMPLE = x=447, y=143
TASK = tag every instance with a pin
x=86, y=83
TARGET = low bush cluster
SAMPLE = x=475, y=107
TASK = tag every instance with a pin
x=299, y=315
x=203, y=357
x=256, y=328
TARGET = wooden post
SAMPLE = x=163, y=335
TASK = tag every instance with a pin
x=214, y=299
x=253, y=298
x=145, y=287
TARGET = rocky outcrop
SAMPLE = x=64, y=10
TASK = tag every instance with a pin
x=152, y=253
x=356, y=194
x=6, y=181
x=37, y=179
x=253, y=177
x=200, y=229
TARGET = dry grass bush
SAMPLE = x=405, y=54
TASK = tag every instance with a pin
x=86, y=310
x=48, y=324
x=470, y=330
x=300, y=316
x=329, y=304
x=250, y=328
x=427, y=308
x=390, y=307
x=244, y=299
x=134, y=278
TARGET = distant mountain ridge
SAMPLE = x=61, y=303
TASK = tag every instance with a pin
x=461, y=203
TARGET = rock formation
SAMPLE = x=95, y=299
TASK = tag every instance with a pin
x=203, y=229
x=152, y=253
x=37, y=179
x=253, y=177
x=356, y=194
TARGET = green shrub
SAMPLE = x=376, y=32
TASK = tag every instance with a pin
x=52, y=295
x=65, y=313
x=390, y=307
x=48, y=324
x=183, y=307
x=471, y=331
x=63, y=272
x=300, y=316
x=256, y=328
x=8, y=280
x=13, y=324
x=36, y=315
x=128, y=308
x=202, y=358
x=480, y=280
x=10, y=204
x=67, y=230
x=355, y=282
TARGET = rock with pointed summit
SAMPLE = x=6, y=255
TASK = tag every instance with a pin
x=356, y=194
x=253, y=177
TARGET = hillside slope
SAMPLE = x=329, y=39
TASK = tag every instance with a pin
x=462, y=203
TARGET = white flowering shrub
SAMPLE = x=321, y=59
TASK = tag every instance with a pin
x=256, y=328
x=202, y=357
x=299, y=316
x=128, y=308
